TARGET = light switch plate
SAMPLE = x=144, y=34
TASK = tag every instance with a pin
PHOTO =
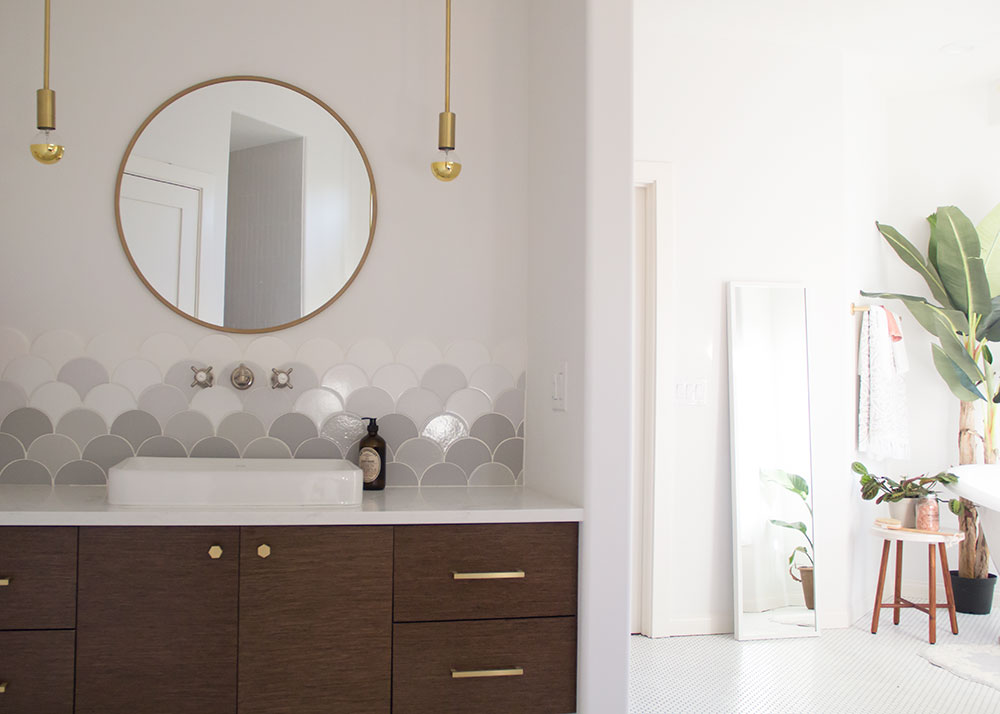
x=559, y=389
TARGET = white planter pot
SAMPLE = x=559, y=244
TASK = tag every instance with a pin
x=904, y=511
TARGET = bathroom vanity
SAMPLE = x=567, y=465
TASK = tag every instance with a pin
x=422, y=600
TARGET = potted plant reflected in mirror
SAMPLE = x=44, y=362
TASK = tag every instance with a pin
x=902, y=496
x=800, y=487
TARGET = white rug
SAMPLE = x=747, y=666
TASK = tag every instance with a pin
x=977, y=663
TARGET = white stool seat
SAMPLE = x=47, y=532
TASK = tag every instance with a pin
x=948, y=539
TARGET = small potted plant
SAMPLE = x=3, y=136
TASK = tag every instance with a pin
x=800, y=487
x=902, y=495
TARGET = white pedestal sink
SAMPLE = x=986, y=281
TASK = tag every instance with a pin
x=160, y=481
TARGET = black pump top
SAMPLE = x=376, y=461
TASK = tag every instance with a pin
x=372, y=426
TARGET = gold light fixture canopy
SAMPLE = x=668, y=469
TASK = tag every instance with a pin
x=46, y=146
x=447, y=166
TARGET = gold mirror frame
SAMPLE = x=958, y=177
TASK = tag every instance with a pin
x=244, y=78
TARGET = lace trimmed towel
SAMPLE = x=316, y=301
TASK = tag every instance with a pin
x=882, y=420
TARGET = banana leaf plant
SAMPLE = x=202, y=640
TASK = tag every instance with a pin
x=962, y=272
x=800, y=487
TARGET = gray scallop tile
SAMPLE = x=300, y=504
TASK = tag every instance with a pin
x=303, y=376
x=83, y=374
x=445, y=430
x=53, y=451
x=419, y=454
x=444, y=475
x=511, y=454
x=162, y=446
x=163, y=401
x=215, y=447
x=522, y=381
x=493, y=474
x=108, y=450
x=520, y=429
x=318, y=448
x=82, y=425
x=241, y=428
x=27, y=424
x=180, y=375
x=188, y=428
x=293, y=429
x=511, y=405
x=370, y=402
x=10, y=449
x=353, y=453
x=469, y=454
x=397, y=474
x=420, y=404
x=12, y=396
x=267, y=447
x=268, y=405
x=492, y=429
x=444, y=380
x=135, y=426
x=395, y=429
x=519, y=481
x=344, y=429
x=25, y=471
x=81, y=473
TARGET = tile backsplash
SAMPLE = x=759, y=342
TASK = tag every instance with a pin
x=71, y=409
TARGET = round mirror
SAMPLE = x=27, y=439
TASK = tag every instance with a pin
x=245, y=204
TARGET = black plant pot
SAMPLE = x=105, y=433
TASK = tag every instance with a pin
x=973, y=596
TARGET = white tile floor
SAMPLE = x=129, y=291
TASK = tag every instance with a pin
x=844, y=671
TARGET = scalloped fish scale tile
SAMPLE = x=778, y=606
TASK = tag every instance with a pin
x=469, y=454
x=492, y=474
x=445, y=430
x=352, y=453
x=11, y=449
x=163, y=401
x=444, y=475
x=467, y=355
x=112, y=348
x=520, y=429
x=419, y=454
x=470, y=404
x=522, y=381
x=29, y=372
x=519, y=481
x=269, y=351
x=81, y=473
x=83, y=374
x=318, y=404
x=318, y=447
x=396, y=429
x=444, y=380
x=493, y=379
x=369, y=354
x=420, y=405
x=135, y=426
x=303, y=377
x=215, y=447
x=268, y=405
x=293, y=429
x=419, y=355
x=267, y=447
x=12, y=396
x=53, y=451
x=26, y=424
x=27, y=472
x=241, y=428
x=13, y=343
x=512, y=354
x=189, y=428
x=224, y=379
x=395, y=379
x=109, y=400
x=164, y=350
x=399, y=474
x=511, y=454
x=180, y=376
x=57, y=347
x=344, y=429
x=82, y=425
x=217, y=349
x=320, y=354
x=162, y=446
x=137, y=375
x=492, y=429
x=216, y=404
x=344, y=379
x=108, y=450
x=370, y=402
x=55, y=399
x=511, y=405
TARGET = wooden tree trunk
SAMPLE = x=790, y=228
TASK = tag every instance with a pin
x=973, y=555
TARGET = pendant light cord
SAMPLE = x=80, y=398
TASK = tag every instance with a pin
x=45, y=83
x=447, y=55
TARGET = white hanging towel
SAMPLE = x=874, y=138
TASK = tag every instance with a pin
x=882, y=419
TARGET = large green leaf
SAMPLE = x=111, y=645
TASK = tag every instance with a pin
x=795, y=526
x=932, y=243
x=989, y=328
x=790, y=482
x=955, y=348
x=959, y=384
x=928, y=315
x=912, y=257
x=959, y=264
x=989, y=241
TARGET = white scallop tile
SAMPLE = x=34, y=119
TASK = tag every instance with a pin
x=419, y=454
x=318, y=404
x=369, y=354
x=395, y=379
x=419, y=355
x=420, y=404
x=112, y=348
x=444, y=380
x=82, y=426
x=344, y=379
x=163, y=401
x=268, y=404
x=13, y=344
x=511, y=405
x=58, y=347
x=344, y=430
x=83, y=374
x=512, y=355
x=217, y=349
x=267, y=447
x=493, y=379
x=320, y=354
x=370, y=402
x=445, y=430
x=137, y=375
x=269, y=351
x=188, y=428
x=165, y=350
x=53, y=451
x=12, y=396
x=470, y=404
x=29, y=372
x=216, y=404
x=55, y=399
x=467, y=355
x=241, y=428
x=109, y=400
x=492, y=474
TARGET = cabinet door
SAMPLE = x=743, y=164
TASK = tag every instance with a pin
x=36, y=672
x=315, y=620
x=156, y=624
x=37, y=578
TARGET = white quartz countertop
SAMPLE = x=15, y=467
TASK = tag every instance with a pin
x=88, y=506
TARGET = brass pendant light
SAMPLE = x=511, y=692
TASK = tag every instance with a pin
x=447, y=166
x=46, y=146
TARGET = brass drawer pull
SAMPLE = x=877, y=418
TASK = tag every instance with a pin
x=501, y=575
x=4, y=582
x=215, y=552
x=3, y=687
x=479, y=673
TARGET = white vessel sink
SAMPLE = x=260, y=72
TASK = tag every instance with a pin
x=160, y=481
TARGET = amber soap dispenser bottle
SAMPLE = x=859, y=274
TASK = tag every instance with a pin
x=371, y=457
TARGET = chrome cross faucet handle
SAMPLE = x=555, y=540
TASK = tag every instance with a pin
x=281, y=378
x=203, y=377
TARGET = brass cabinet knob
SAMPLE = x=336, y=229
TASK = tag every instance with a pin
x=215, y=552
x=4, y=582
x=263, y=550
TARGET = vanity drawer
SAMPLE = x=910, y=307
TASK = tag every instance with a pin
x=482, y=571
x=491, y=666
x=36, y=672
x=37, y=578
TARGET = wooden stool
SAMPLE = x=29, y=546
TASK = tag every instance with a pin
x=941, y=540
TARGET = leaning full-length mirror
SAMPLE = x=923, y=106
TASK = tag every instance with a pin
x=773, y=533
x=245, y=204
